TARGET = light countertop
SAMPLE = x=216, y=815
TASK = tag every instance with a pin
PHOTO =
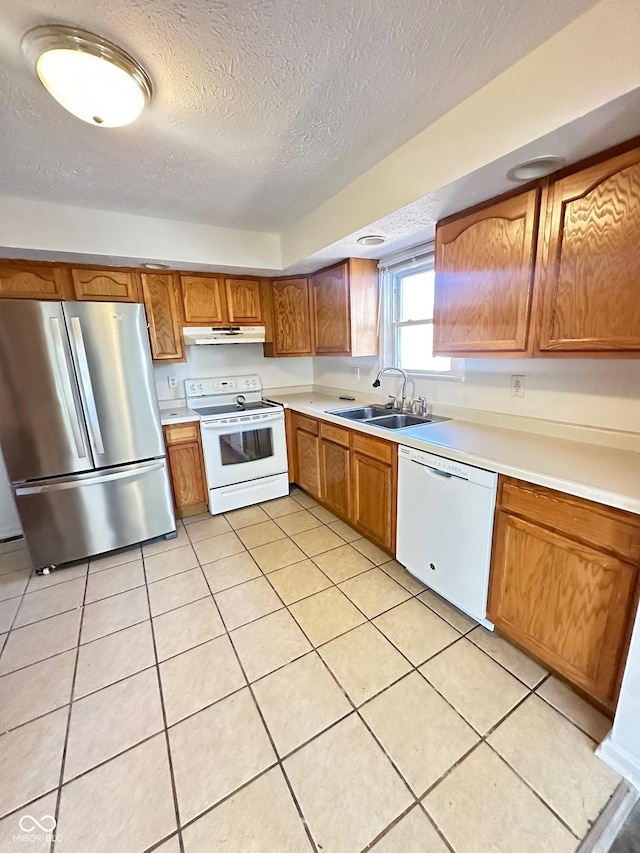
x=177, y=415
x=599, y=473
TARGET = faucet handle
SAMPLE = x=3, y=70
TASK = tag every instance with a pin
x=392, y=404
x=424, y=405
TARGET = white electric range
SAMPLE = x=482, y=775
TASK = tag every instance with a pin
x=243, y=440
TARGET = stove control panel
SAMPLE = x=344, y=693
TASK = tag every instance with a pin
x=209, y=386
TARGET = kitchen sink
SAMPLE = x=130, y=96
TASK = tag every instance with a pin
x=382, y=417
x=398, y=421
x=362, y=413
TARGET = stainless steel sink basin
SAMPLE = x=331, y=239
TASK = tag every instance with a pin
x=362, y=413
x=381, y=417
x=397, y=421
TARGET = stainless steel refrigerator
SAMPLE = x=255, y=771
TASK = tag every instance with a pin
x=80, y=428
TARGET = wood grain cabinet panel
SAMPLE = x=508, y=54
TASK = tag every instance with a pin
x=564, y=583
x=335, y=475
x=186, y=469
x=307, y=450
x=161, y=300
x=243, y=301
x=32, y=281
x=373, y=498
x=203, y=300
x=589, y=275
x=291, y=317
x=484, y=268
x=331, y=311
x=104, y=285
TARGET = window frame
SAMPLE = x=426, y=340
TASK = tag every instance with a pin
x=390, y=305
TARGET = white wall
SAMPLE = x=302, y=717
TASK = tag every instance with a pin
x=233, y=360
x=591, y=392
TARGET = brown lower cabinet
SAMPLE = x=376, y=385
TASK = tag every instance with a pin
x=352, y=474
x=186, y=468
x=564, y=583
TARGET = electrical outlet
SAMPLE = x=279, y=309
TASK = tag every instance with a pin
x=355, y=373
x=173, y=382
x=517, y=385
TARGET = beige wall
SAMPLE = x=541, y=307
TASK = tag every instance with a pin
x=590, y=392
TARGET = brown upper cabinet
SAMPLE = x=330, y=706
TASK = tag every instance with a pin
x=290, y=318
x=210, y=300
x=589, y=274
x=203, y=300
x=551, y=271
x=108, y=285
x=161, y=296
x=344, y=308
x=22, y=280
x=243, y=301
x=484, y=277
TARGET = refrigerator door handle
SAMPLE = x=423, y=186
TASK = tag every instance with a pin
x=99, y=479
x=68, y=400
x=87, y=386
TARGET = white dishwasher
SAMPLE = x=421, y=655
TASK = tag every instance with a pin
x=445, y=527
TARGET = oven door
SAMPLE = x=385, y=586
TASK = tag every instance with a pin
x=248, y=449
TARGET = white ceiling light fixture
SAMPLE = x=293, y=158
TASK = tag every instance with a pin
x=539, y=167
x=372, y=240
x=156, y=266
x=89, y=76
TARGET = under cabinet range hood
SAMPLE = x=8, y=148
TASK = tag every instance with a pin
x=207, y=335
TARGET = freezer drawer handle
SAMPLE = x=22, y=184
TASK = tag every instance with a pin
x=87, y=386
x=130, y=473
x=70, y=407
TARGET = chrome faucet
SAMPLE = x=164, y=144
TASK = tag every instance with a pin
x=376, y=384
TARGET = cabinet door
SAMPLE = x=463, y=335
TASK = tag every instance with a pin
x=203, y=300
x=26, y=281
x=590, y=270
x=567, y=603
x=291, y=317
x=335, y=476
x=484, y=273
x=160, y=292
x=373, y=498
x=308, y=462
x=187, y=475
x=243, y=301
x=104, y=285
x=330, y=316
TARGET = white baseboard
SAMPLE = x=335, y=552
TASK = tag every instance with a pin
x=620, y=760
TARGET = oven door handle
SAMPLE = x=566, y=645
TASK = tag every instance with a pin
x=259, y=422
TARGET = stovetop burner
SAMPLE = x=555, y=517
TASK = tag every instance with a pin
x=207, y=411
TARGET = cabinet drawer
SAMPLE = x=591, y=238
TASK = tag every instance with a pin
x=385, y=451
x=594, y=524
x=305, y=423
x=334, y=433
x=181, y=432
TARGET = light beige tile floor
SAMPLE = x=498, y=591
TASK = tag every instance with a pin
x=271, y=681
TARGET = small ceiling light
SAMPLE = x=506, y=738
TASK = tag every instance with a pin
x=89, y=76
x=156, y=266
x=371, y=240
x=536, y=168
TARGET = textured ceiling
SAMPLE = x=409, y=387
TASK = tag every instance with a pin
x=263, y=109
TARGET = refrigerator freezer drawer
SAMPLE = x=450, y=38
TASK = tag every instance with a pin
x=70, y=518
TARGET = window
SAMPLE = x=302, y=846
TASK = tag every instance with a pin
x=408, y=293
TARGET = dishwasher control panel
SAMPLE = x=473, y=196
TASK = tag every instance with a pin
x=447, y=467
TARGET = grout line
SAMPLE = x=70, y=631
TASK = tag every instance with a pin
x=68, y=726
x=164, y=717
x=533, y=791
x=271, y=741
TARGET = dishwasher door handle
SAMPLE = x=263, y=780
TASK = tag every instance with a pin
x=445, y=474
